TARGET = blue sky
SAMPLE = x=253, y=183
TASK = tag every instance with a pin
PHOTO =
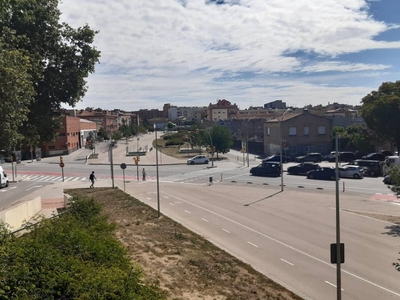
x=250, y=52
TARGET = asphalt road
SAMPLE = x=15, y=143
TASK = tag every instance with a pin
x=287, y=235
x=17, y=191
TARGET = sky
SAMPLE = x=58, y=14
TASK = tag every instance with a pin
x=249, y=52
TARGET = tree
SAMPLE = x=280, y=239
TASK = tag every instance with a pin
x=354, y=138
x=103, y=133
x=394, y=174
x=222, y=139
x=381, y=109
x=16, y=94
x=60, y=59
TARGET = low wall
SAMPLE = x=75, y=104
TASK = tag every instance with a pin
x=20, y=213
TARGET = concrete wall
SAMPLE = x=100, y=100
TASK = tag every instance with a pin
x=20, y=213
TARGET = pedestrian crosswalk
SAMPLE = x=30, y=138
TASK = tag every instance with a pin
x=46, y=178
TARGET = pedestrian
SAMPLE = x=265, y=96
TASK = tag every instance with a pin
x=92, y=178
x=144, y=174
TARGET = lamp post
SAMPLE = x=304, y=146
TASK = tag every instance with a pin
x=280, y=146
x=212, y=148
x=247, y=140
x=158, y=181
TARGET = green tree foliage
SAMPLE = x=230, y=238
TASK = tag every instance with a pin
x=354, y=138
x=60, y=58
x=394, y=173
x=75, y=256
x=103, y=133
x=16, y=94
x=381, y=110
x=222, y=138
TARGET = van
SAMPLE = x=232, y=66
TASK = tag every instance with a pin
x=390, y=161
x=3, y=178
x=369, y=167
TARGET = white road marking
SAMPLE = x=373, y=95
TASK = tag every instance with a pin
x=252, y=244
x=33, y=187
x=395, y=203
x=204, y=220
x=225, y=230
x=284, y=244
x=289, y=263
x=148, y=198
x=332, y=284
x=187, y=211
x=171, y=204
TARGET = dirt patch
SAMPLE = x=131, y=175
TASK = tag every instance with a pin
x=184, y=264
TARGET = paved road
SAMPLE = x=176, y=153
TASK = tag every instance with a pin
x=287, y=235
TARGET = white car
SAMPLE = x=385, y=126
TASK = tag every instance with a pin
x=198, y=159
x=350, y=171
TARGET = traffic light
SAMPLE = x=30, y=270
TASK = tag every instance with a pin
x=138, y=158
x=61, y=159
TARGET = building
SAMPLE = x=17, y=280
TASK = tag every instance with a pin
x=221, y=111
x=301, y=132
x=186, y=113
x=277, y=104
x=103, y=118
x=72, y=135
x=147, y=114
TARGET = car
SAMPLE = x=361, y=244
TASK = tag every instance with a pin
x=198, y=159
x=310, y=157
x=369, y=167
x=375, y=156
x=322, y=173
x=302, y=169
x=344, y=156
x=386, y=153
x=3, y=178
x=277, y=158
x=349, y=171
x=266, y=168
x=387, y=180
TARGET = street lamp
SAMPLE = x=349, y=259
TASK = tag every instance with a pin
x=247, y=139
x=212, y=148
x=281, y=146
x=158, y=180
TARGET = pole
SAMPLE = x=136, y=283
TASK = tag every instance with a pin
x=158, y=181
x=111, y=165
x=62, y=173
x=338, y=259
x=281, y=146
x=123, y=175
x=137, y=170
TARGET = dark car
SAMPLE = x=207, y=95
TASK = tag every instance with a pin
x=343, y=156
x=387, y=180
x=277, y=158
x=322, y=173
x=386, y=152
x=310, y=157
x=375, y=156
x=266, y=169
x=369, y=167
x=302, y=169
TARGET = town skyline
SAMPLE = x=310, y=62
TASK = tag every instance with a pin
x=192, y=53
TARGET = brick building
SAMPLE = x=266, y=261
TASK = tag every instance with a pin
x=221, y=111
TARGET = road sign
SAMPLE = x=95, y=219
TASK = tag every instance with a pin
x=123, y=166
x=62, y=165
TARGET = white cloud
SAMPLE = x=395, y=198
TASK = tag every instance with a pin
x=155, y=52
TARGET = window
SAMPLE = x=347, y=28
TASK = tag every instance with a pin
x=306, y=130
x=292, y=131
x=268, y=131
x=321, y=129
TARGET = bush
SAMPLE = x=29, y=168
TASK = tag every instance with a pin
x=74, y=256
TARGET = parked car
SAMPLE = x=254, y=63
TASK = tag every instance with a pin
x=198, y=159
x=322, y=173
x=266, y=169
x=369, y=167
x=302, y=169
x=387, y=180
x=310, y=157
x=375, y=156
x=344, y=156
x=277, y=158
x=3, y=178
x=386, y=152
x=349, y=171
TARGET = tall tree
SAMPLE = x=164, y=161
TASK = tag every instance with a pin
x=60, y=57
x=222, y=138
x=16, y=93
x=381, y=109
